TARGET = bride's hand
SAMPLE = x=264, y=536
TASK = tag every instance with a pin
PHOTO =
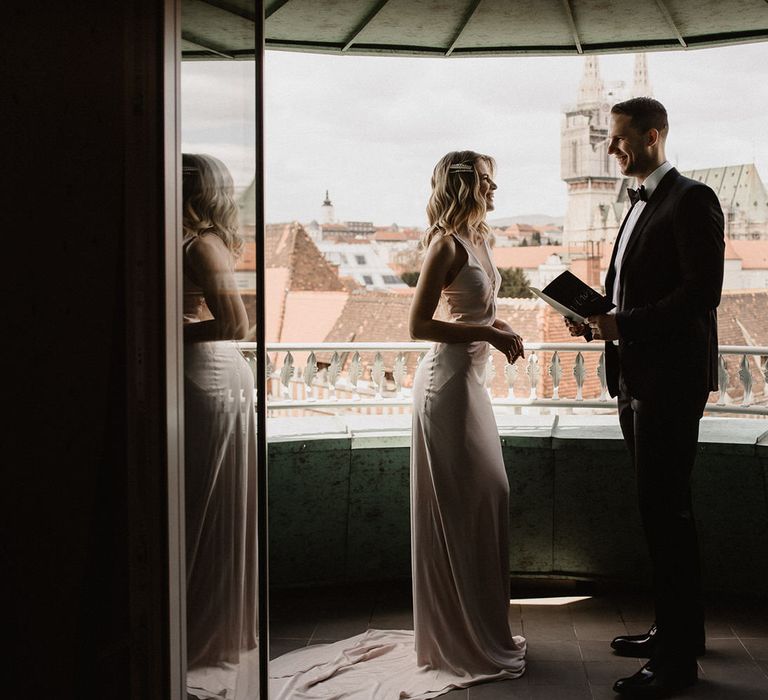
x=508, y=343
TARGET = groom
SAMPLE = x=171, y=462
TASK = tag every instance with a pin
x=664, y=278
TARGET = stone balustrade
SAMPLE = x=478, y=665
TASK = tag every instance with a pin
x=346, y=376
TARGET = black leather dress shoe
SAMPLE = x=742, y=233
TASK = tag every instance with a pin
x=643, y=646
x=658, y=680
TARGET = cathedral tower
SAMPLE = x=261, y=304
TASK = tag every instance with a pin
x=591, y=174
x=641, y=86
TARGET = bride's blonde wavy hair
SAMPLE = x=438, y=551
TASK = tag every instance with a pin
x=209, y=200
x=456, y=204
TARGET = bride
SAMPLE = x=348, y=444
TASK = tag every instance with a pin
x=459, y=488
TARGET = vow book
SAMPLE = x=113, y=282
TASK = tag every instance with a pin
x=573, y=298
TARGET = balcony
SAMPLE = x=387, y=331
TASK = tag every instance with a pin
x=339, y=432
x=569, y=625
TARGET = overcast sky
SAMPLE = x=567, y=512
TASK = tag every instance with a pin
x=370, y=129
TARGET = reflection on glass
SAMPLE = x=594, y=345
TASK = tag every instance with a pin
x=220, y=443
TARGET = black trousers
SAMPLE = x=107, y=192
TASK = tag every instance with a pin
x=662, y=437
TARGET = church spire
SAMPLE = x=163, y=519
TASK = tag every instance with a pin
x=591, y=88
x=641, y=87
x=327, y=213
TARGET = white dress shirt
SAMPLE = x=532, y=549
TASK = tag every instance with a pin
x=651, y=182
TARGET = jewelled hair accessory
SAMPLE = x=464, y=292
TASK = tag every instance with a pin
x=460, y=168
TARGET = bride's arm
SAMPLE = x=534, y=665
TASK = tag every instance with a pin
x=421, y=324
x=210, y=265
x=502, y=325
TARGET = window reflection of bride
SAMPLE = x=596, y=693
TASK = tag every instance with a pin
x=220, y=440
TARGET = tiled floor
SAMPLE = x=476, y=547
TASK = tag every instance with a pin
x=569, y=657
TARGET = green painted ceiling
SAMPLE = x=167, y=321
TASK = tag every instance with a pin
x=225, y=28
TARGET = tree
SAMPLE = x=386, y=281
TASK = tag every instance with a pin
x=514, y=283
x=410, y=278
x=409, y=259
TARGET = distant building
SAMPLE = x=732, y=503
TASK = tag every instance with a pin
x=363, y=261
x=592, y=176
x=742, y=195
x=597, y=197
x=521, y=234
x=327, y=212
x=541, y=264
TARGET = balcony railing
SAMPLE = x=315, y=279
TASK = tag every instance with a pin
x=340, y=376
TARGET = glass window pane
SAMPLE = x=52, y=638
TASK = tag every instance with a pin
x=218, y=248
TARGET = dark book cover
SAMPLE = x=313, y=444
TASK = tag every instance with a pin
x=573, y=298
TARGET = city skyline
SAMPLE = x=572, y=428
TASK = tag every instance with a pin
x=365, y=128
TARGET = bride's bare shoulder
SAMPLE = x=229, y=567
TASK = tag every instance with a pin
x=443, y=245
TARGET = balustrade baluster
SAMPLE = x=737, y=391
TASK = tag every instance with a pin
x=764, y=370
x=580, y=374
x=533, y=374
x=603, y=378
x=398, y=374
x=745, y=375
x=490, y=374
x=332, y=374
x=377, y=375
x=722, y=381
x=353, y=376
x=556, y=372
x=310, y=372
x=510, y=373
x=286, y=374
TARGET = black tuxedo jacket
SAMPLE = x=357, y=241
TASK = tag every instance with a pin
x=671, y=278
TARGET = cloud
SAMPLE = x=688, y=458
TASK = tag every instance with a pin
x=370, y=129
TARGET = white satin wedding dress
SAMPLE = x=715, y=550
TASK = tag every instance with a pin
x=459, y=538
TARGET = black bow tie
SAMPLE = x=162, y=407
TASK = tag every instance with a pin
x=638, y=194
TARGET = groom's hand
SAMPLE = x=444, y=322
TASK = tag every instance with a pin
x=576, y=329
x=604, y=327
x=579, y=330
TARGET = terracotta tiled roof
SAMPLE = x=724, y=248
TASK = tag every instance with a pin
x=526, y=257
x=370, y=316
x=278, y=242
x=294, y=264
x=605, y=258
x=742, y=319
x=730, y=251
x=519, y=230
x=309, y=316
x=401, y=235
x=275, y=288
x=373, y=316
x=289, y=246
x=247, y=261
x=753, y=254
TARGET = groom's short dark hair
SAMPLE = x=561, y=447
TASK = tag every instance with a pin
x=644, y=112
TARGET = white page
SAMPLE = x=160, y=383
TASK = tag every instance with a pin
x=564, y=310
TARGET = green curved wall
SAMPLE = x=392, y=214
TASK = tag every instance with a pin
x=339, y=505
